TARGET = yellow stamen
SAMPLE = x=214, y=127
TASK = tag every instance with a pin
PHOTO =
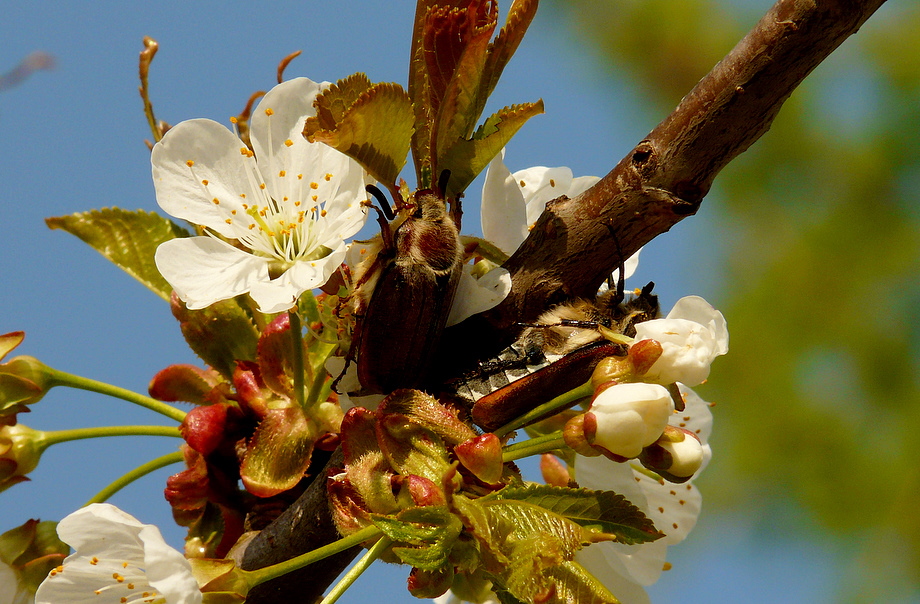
x=190, y=163
x=269, y=111
x=288, y=142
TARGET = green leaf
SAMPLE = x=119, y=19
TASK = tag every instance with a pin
x=372, y=124
x=466, y=158
x=128, y=239
x=605, y=511
x=429, y=533
x=220, y=334
x=575, y=584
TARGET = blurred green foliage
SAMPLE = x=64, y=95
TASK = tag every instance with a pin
x=817, y=228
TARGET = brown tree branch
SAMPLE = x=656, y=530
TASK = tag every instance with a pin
x=577, y=242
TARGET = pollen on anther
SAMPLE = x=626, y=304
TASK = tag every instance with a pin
x=94, y=560
x=300, y=177
x=297, y=204
x=288, y=143
x=314, y=197
x=523, y=184
x=130, y=585
x=674, y=525
x=234, y=120
x=251, y=226
x=190, y=163
x=328, y=177
x=323, y=213
x=216, y=201
x=681, y=501
x=269, y=111
x=262, y=185
x=228, y=221
x=205, y=182
x=661, y=510
x=243, y=195
x=282, y=173
x=314, y=185
x=552, y=182
x=118, y=577
x=673, y=492
x=124, y=600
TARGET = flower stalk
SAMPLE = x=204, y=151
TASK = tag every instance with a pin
x=138, y=472
x=562, y=401
x=62, y=378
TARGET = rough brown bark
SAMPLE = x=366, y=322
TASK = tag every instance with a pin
x=577, y=242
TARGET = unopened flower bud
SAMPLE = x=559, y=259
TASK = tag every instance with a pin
x=20, y=449
x=676, y=456
x=24, y=380
x=482, y=456
x=626, y=418
x=554, y=472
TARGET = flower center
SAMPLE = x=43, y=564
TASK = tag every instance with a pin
x=127, y=584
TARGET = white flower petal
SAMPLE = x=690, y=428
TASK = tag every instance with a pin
x=218, y=170
x=478, y=295
x=281, y=293
x=695, y=308
x=503, y=212
x=295, y=169
x=540, y=185
x=12, y=591
x=601, y=560
x=110, y=543
x=205, y=270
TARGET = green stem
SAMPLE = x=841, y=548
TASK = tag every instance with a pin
x=62, y=436
x=363, y=564
x=534, y=446
x=297, y=361
x=562, y=401
x=261, y=575
x=147, y=468
x=62, y=378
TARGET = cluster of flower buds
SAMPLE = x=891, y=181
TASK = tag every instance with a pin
x=635, y=396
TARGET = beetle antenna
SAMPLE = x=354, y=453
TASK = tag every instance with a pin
x=382, y=200
x=443, y=179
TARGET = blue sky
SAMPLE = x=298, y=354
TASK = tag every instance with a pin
x=72, y=140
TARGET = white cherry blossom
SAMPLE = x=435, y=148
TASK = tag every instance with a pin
x=289, y=204
x=691, y=336
x=674, y=508
x=117, y=560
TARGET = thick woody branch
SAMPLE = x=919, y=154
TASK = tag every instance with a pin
x=578, y=242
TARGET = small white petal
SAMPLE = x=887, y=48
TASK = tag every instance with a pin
x=478, y=295
x=110, y=542
x=205, y=270
x=503, y=211
x=281, y=293
x=540, y=185
x=215, y=157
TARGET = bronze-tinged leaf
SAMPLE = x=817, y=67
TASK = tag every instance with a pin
x=332, y=103
x=375, y=130
x=462, y=99
x=506, y=43
x=278, y=454
x=466, y=158
x=128, y=239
